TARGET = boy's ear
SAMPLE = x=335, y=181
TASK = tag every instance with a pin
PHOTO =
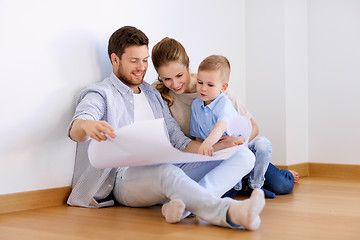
x=224, y=87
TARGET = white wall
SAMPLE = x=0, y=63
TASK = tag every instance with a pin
x=303, y=93
x=334, y=81
x=265, y=71
x=302, y=58
x=276, y=75
x=50, y=50
x=296, y=85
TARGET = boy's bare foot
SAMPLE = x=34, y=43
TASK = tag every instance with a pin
x=173, y=211
x=246, y=213
x=296, y=176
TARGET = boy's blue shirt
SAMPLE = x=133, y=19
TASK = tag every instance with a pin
x=204, y=118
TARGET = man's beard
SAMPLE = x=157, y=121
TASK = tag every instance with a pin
x=130, y=82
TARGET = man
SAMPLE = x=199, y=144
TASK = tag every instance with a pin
x=119, y=100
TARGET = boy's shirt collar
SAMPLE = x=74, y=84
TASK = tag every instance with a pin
x=214, y=102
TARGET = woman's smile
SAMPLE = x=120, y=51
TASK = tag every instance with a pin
x=178, y=88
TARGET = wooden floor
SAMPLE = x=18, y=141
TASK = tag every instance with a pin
x=319, y=208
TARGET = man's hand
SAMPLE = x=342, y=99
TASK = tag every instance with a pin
x=82, y=129
x=97, y=129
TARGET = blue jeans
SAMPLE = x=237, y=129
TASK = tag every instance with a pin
x=278, y=181
x=262, y=148
x=265, y=174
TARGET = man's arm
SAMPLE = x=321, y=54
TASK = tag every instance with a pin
x=192, y=147
x=81, y=130
x=85, y=124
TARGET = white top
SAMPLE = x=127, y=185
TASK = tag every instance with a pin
x=142, y=109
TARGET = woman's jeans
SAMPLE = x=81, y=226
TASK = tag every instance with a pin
x=278, y=181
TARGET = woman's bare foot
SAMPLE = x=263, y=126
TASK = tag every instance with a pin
x=296, y=176
x=246, y=213
x=173, y=211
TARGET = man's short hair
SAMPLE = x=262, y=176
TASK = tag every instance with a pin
x=125, y=37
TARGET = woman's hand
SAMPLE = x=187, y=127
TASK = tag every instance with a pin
x=233, y=140
x=229, y=141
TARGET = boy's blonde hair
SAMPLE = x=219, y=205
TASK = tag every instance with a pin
x=214, y=63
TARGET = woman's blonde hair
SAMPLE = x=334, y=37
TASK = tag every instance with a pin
x=166, y=51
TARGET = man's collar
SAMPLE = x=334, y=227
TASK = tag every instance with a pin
x=120, y=86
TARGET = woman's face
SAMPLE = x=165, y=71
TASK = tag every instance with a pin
x=175, y=76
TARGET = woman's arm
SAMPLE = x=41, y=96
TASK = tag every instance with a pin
x=254, y=130
x=242, y=110
x=228, y=141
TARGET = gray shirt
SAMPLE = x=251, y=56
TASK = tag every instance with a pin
x=112, y=101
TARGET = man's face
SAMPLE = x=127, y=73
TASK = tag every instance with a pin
x=132, y=66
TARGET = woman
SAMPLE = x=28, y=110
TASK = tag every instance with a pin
x=178, y=87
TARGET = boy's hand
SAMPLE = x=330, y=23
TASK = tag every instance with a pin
x=97, y=129
x=206, y=149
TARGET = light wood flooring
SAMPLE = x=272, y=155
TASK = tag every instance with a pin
x=318, y=208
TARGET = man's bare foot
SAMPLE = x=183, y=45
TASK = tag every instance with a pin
x=173, y=211
x=246, y=213
x=296, y=176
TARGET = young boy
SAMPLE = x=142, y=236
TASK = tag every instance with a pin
x=212, y=110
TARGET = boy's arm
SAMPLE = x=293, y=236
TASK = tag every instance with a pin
x=218, y=130
x=206, y=147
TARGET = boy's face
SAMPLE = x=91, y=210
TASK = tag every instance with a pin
x=132, y=66
x=209, y=85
